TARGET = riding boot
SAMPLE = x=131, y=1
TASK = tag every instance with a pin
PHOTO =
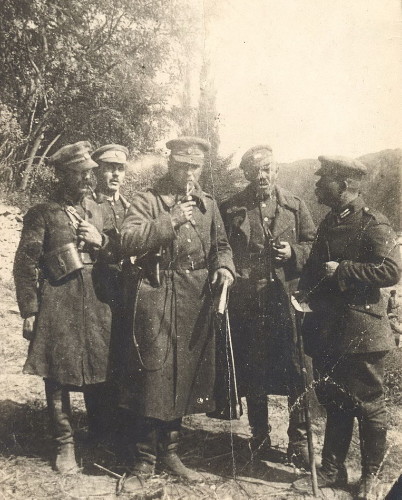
x=257, y=410
x=168, y=459
x=145, y=454
x=373, y=438
x=58, y=404
x=297, y=451
x=338, y=436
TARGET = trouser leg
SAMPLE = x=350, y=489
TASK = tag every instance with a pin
x=101, y=405
x=58, y=403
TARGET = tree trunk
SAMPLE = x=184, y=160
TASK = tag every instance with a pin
x=48, y=149
x=27, y=172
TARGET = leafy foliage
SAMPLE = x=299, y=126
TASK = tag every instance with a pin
x=90, y=69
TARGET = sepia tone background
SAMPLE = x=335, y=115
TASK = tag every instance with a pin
x=307, y=77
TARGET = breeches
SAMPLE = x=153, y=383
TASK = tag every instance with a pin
x=352, y=383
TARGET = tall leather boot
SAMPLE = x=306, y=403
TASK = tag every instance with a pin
x=338, y=435
x=146, y=430
x=297, y=451
x=257, y=411
x=168, y=459
x=58, y=404
x=373, y=441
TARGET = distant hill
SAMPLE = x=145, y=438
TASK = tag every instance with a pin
x=381, y=188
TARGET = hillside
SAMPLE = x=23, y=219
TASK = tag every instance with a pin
x=381, y=188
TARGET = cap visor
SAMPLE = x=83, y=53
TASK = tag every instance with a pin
x=83, y=165
x=189, y=160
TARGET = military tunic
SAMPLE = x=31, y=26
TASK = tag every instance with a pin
x=262, y=318
x=72, y=334
x=350, y=312
x=171, y=353
x=348, y=332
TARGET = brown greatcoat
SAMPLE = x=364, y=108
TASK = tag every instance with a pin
x=262, y=317
x=172, y=358
x=72, y=334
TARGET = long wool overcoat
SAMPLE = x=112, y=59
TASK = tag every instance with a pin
x=262, y=318
x=171, y=351
x=72, y=334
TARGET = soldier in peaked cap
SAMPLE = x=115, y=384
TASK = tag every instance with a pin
x=104, y=420
x=270, y=231
x=56, y=273
x=177, y=234
x=348, y=334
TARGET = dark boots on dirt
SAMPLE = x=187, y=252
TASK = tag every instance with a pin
x=373, y=440
x=145, y=456
x=58, y=404
x=169, y=461
x=338, y=435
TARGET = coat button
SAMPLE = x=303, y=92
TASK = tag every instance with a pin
x=266, y=219
x=187, y=271
x=189, y=240
x=367, y=307
x=200, y=400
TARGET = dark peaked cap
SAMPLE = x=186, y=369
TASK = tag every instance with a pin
x=341, y=166
x=75, y=156
x=188, y=149
x=111, y=153
x=257, y=156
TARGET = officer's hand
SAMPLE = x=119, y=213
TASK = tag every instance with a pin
x=182, y=212
x=221, y=276
x=28, y=328
x=330, y=268
x=282, y=251
x=89, y=234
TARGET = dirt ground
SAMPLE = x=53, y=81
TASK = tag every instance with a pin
x=217, y=449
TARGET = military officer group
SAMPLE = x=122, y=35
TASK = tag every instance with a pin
x=117, y=301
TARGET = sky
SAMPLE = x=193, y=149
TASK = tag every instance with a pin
x=308, y=77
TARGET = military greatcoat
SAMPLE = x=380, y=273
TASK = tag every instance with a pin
x=349, y=311
x=262, y=317
x=72, y=333
x=172, y=346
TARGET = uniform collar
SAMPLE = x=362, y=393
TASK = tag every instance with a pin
x=346, y=211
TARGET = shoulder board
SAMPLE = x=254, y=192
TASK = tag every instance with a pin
x=374, y=214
